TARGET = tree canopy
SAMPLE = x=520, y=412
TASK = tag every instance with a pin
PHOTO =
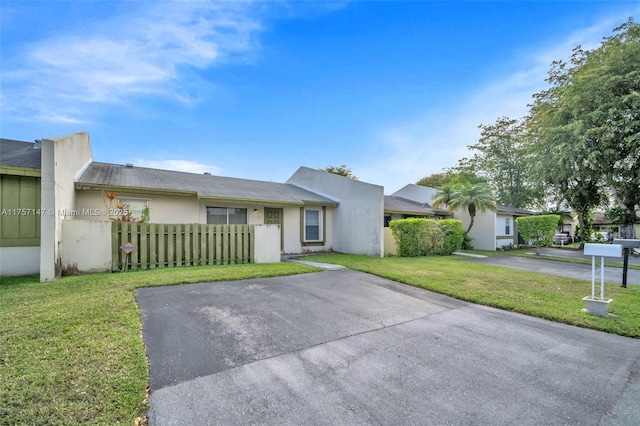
x=342, y=170
x=586, y=127
x=501, y=157
x=466, y=196
x=449, y=177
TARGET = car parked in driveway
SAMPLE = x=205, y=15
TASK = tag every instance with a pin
x=562, y=239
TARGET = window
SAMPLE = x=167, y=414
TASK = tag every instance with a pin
x=226, y=216
x=135, y=206
x=507, y=226
x=312, y=225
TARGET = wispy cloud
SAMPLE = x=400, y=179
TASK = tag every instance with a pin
x=180, y=165
x=438, y=138
x=63, y=79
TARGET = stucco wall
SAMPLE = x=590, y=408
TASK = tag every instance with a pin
x=358, y=219
x=162, y=208
x=267, y=244
x=180, y=209
x=389, y=242
x=483, y=230
x=86, y=246
x=64, y=159
x=502, y=238
x=15, y=261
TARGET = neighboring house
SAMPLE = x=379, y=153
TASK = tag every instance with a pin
x=410, y=201
x=20, y=207
x=601, y=223
x=490, y=230
x=396, y=207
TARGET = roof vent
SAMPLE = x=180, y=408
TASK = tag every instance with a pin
x=207, y=173
x=129, y=166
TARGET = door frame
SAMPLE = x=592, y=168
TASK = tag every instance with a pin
x=281, y=210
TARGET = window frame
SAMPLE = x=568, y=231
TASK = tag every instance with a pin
x=507, y=226
x=322, y=226
x=227, y=215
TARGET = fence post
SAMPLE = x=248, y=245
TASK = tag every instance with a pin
x=144, y=249
x=115, y=247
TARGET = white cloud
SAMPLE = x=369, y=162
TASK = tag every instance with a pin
x=438, y=138
x=180, y=166
x=61, y=79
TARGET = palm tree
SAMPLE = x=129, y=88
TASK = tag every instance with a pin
x=472, y=197
x=442, y=197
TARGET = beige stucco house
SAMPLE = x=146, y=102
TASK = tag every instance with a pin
x=314, y=210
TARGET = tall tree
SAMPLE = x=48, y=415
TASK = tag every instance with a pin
x=449, y=177
x=587, y=126
x=466, y=196
x=342, y=170
x=502, y=158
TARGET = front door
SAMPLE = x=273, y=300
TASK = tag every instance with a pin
x=274, y=217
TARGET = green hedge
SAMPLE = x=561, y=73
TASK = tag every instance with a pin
x=453, y=235
x=422, y=237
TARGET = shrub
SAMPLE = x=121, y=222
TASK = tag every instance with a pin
x=416, y=237
x=538, y=229
x=453, y=235
x=467, y=242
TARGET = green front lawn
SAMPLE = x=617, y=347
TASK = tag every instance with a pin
x=71, y=351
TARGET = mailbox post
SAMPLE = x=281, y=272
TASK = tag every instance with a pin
x=599, y=306
x=626, y=246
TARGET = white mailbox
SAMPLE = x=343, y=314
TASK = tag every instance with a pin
x=609, y=250
x=599, y=306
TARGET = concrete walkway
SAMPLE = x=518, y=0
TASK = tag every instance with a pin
x=326, y=266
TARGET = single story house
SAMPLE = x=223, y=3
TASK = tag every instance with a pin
x=68, y=199
x=490, y=231
x=601, y=223
x=398, y=206
x=315, y=210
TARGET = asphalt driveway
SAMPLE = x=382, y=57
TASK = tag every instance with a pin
x=348, y=348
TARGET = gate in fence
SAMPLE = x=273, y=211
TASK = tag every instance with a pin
x=156, y=245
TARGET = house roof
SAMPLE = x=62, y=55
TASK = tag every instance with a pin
x=117, y=176
x=599, y=218
x=395, y=204
x=514, y=211
x=19, y=154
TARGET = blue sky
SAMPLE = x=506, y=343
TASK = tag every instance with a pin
x=394, y=90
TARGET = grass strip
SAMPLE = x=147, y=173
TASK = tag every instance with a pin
x=71, y=351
